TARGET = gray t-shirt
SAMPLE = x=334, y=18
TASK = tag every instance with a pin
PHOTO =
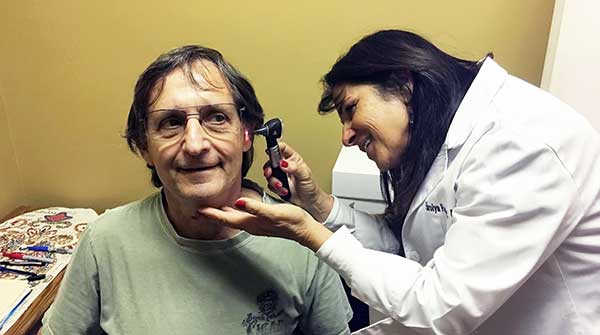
x=133, y=274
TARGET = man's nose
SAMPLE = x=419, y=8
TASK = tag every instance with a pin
x=348, y=134
x=195, y=138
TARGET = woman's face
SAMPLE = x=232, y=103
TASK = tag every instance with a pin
x=378, y=124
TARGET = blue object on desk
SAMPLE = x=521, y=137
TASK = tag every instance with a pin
x=47, y=248
x=14, y=309
x=38, y=248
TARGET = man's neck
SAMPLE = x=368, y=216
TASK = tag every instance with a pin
x=187, y=223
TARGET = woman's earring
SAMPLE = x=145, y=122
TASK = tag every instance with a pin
x=411, y=117
x=246, y=135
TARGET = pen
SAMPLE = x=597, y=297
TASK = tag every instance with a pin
x=31, y=276
x=20, y=255
x=47, y=248
x=20, y=272
x=21, y=263
x=14, y=309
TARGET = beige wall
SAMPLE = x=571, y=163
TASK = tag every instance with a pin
x=67, y=69
x=11, y=187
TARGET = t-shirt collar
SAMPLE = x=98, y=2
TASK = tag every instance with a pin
x=202, y=246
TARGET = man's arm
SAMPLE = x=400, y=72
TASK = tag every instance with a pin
x=76, y=309
x=326, y=311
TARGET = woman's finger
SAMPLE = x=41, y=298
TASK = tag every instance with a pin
x=226, y=215
x=286, y=150
x=257, y=208
x=267, y=171
x=272, y=188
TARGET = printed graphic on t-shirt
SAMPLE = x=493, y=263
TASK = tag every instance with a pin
x=269, y=320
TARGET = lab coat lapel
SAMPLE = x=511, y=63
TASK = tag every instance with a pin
x=435, y=174
x=474, y=104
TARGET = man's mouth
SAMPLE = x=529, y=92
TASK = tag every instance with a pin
x=190, y=169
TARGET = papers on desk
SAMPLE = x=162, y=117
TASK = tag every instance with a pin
x=12, y=295
x=56, y=227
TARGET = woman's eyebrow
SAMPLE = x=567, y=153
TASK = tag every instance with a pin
x=339, y=99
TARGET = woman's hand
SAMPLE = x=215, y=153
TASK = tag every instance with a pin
x=279, y=220
x=306, y=193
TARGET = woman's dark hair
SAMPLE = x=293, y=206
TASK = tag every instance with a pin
x=185, y=58
x=390, y=60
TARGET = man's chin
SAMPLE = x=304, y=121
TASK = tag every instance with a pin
x=216, y=192
x=205, y=196
x=203, y=199
x=204, y=202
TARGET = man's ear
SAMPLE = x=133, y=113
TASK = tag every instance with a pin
x=146, y=157
x=248, y=138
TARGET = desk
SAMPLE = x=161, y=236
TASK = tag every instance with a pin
x=30, y=321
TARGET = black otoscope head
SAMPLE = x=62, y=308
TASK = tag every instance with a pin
x=271, y=130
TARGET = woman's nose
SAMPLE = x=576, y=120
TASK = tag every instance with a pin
x=348, y=135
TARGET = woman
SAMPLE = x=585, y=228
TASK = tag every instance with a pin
x=492, y=224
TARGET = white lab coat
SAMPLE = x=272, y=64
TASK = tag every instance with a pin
x=503, y=236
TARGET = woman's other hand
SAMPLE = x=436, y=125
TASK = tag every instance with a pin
x=279, y=220
x=306, y=193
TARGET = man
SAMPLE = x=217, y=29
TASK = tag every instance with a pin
x=155, y=266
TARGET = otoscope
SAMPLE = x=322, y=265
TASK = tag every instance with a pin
x=272, y=131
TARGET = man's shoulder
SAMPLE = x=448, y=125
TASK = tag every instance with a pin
x=120, y=218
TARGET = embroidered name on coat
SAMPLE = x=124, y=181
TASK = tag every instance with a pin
x=435, y=209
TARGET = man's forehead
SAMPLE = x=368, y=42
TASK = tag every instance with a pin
x=203, y=76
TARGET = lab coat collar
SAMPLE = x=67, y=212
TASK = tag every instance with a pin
x=484, y=88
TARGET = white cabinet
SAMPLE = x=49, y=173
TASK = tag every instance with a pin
x=355, y=180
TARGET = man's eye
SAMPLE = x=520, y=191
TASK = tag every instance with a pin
x=216, y=118
x=171, y=122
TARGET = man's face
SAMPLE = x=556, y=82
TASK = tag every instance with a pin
x=196, y=138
